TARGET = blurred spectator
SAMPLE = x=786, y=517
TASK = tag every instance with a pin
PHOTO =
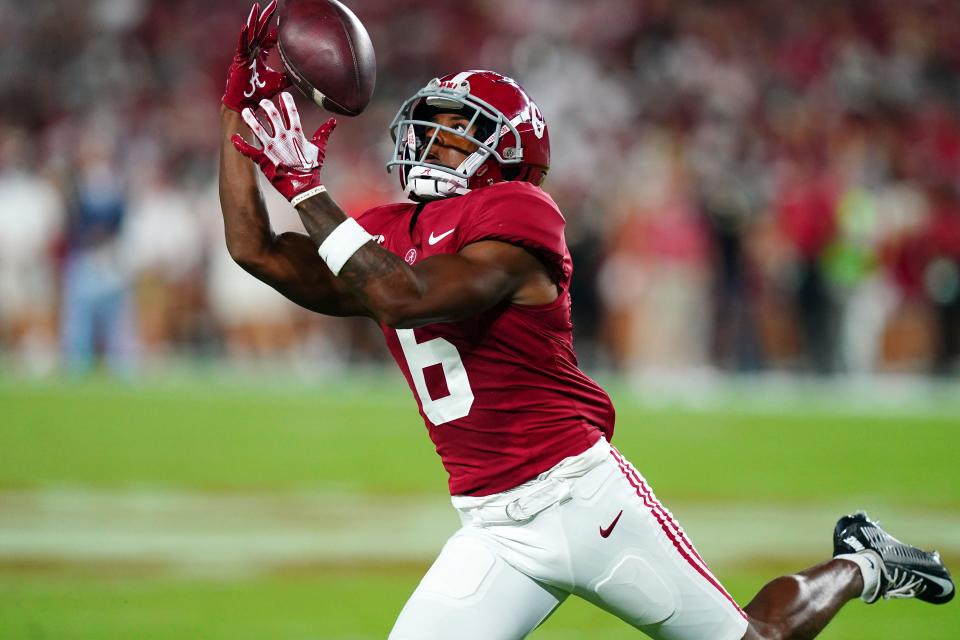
x=31, y=216
x=256, y=320
x=654, y=281
x=941, y=277
x=97, y=310
x=165, y=250
x=806, y=202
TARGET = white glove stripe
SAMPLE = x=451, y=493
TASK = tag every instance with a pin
x=273, y=114
x=255, y=126
x=292, y=112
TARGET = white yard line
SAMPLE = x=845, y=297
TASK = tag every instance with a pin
x=218, y=534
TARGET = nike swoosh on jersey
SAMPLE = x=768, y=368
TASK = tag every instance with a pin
x=432, y=240
x=945, y=585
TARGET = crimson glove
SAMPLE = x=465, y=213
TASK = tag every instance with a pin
x=290, y=161
x=249, y=79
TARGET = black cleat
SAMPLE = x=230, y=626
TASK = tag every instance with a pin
x=905, y=572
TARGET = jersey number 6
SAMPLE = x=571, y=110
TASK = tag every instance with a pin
x=419, y=356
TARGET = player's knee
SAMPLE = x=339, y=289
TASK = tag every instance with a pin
x=633, y=591
x=791, y=588
x=767, y=611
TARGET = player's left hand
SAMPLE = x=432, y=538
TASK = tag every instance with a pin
x=249, y=79
x=290, y=161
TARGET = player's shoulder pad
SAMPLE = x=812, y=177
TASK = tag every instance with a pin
x=516, y=209
x=382, y=213
x=518, y=213
x=517, y=194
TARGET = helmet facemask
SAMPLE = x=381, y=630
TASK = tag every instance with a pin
x=423, y=180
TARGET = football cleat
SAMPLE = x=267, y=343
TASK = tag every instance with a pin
x=905, y=572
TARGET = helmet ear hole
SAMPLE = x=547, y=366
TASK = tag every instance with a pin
x=524, y=173
x=512, y=173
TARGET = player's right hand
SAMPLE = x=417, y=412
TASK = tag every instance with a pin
x=287, y=158
x=249, y=79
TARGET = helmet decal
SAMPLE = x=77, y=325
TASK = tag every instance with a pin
x=536, y=119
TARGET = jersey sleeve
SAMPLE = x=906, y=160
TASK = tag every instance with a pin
x=375, y=215
x=520, y=214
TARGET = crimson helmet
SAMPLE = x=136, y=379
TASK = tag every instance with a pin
x=511, y=135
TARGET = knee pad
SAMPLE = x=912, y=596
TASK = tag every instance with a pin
x=634, y=592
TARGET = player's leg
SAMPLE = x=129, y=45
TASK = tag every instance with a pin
x=471, y=593
x=634, y=560
x=800, y=606
x=868, y=563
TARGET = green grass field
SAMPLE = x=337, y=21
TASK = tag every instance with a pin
x=204, y=508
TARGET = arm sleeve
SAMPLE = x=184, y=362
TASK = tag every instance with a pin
x=522, y=215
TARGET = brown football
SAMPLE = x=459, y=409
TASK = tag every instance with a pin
x=328, y=54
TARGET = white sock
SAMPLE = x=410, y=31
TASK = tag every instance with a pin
x=870, y=567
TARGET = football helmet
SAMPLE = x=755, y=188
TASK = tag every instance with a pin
x=511, y=135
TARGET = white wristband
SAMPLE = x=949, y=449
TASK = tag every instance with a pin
x=343, y=242
x=300, y=197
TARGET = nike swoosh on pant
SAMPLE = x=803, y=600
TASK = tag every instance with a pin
x=605, y=533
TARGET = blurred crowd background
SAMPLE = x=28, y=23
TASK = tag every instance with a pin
x=755, y=185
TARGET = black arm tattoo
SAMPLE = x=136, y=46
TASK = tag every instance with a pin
x=370, y=262
x=376, y=276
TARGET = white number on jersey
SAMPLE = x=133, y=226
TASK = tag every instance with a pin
x=419, y=356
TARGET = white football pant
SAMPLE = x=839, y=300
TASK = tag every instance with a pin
x=589, y=526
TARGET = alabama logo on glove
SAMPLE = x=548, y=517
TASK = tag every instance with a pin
x=249, y=79
x=287, y=158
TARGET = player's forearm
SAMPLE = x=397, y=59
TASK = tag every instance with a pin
x=380, y=280
x=441, y=289
x=388, y=288
x=393, y=292
x=289, y=262
x=245, y=220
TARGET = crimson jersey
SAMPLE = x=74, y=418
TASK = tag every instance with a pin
x=501, y=393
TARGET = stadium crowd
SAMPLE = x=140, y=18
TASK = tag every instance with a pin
x=751, y=185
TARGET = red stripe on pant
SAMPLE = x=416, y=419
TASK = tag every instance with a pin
x=669, y=526
x=671, y=521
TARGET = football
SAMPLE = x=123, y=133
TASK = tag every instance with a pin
x=328, y=54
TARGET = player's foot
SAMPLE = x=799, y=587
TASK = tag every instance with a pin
x=905, y=571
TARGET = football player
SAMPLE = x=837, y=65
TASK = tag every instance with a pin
x=469, y=283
